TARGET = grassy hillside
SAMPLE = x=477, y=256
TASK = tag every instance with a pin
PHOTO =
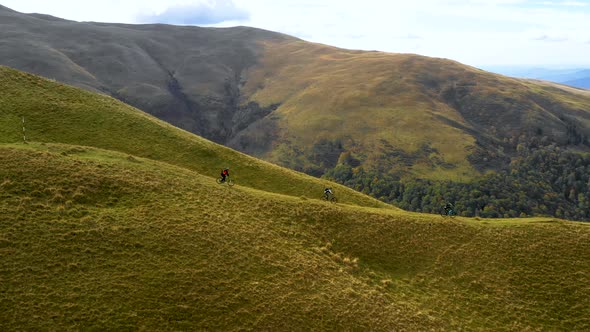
x=61, y=114
x=96, y=239
x=404, y=114
x=365, y=101
x=188, y=76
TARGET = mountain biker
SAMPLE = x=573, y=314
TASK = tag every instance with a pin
x=328, y=192
x=449, y=207
x=224, y=173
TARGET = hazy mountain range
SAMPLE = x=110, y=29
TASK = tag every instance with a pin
x=576, y=77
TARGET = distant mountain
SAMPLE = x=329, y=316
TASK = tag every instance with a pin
x=564, y=77
x=307, y=106
x=583, y=82
x=575, y=77
x=188, y=76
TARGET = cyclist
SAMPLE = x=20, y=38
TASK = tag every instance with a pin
x=224, y=173
x=449, y=207
x=328, y=192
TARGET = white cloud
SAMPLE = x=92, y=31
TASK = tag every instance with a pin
x=410, y=36
x=200, y=13
x=563, y=3
x=548, y=38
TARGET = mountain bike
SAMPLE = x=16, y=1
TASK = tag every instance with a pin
x=330, y=198
x=448, y=212
x=229, y=182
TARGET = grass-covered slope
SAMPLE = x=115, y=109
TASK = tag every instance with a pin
x=186, y=75
x=96, y=239
x=58, y=113
x=404, y=114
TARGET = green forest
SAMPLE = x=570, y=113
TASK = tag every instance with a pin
x=547, y=181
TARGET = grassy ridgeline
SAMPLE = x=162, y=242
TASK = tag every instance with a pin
x=61, y=114
x=98, y=239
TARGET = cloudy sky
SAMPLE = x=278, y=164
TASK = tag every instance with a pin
x=475, y=32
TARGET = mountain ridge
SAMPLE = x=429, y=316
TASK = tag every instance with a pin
x=152, y=55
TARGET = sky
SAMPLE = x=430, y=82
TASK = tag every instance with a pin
x=550, y=33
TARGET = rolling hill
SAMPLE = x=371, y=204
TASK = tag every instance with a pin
x=110, y=220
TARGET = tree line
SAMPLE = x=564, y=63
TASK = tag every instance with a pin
x=546, y=181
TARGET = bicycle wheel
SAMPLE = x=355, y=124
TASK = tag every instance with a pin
x=230, y=183
x=443, y=212
x=333, y=199
x=323, y=198
x=219, y=180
